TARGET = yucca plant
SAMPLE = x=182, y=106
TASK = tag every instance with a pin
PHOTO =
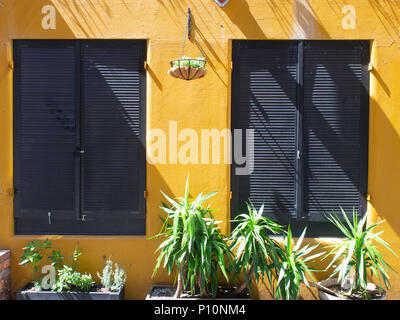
x=358, y=254
x=193, y=245
x=292, y=267
x=252, y=246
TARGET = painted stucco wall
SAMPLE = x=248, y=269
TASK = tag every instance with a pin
x=204, y=103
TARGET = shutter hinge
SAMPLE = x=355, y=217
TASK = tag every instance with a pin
x=368, y=197
x=11, y=65
x=84, y=217
x=370, y=66
x=11, y=192
x=230, y=194
x=231, y=66
x=145, y=193
x=145, y=65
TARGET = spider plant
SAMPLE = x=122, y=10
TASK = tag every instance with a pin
x=358, y=254
x=252, y=245
x=193, y=245
x=292, y=267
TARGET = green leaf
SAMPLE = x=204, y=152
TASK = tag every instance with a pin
x=300, y=240
x=357, y=252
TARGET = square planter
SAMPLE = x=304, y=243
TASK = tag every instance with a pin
x=166, y=292
x=5, y=278
x=26, y=294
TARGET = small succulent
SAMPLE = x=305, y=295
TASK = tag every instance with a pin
x=112, y=280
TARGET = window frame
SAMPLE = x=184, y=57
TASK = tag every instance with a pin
x=110, y=225
x=315, y=229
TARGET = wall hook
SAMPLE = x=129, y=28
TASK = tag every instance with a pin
x=189, y=23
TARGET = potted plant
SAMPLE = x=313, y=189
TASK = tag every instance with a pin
x=291, y=267
x=5, y=278
x=113, y=279
x=352, y=259
x=63, y=281
x=194, y=248
x=187, y=68
x=253, y=247
x=257, y=255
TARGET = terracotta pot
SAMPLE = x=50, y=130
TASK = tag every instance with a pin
x=332, y=282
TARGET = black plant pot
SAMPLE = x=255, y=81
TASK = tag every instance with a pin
x=333, y=282
x=27, y=294
x=166, y=292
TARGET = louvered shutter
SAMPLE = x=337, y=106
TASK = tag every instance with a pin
x=113, y=162
x=45, y=138
x=264, y=98
x=335, y=126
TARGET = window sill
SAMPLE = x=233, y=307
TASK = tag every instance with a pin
x=79, y=237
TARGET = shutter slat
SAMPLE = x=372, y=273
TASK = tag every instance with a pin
x=332, y=128
x=44, y=129
x=112, y=120
x=264, y=99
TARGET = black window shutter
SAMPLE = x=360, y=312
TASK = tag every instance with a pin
x=45, y=139
x=264, y=98
x=335, y=127
x=113, y=120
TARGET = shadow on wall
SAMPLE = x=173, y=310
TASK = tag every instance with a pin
x=240, y=15
x=388, y=13
x=199, y=34
x=301, y=23
x=307, y=24
x=88, y=20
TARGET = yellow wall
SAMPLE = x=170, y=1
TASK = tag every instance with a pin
x=204, y=103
